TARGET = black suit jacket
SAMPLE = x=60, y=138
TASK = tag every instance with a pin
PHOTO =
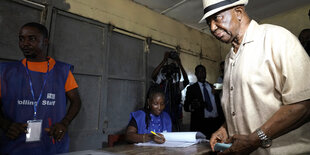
x=194, y=94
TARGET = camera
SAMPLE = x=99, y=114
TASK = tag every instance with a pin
x=169, y=70
x=173, y=55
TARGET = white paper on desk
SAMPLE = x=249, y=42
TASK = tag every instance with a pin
x=166, y=144
x=89, y=152
x=177, y=139
x=180, y=136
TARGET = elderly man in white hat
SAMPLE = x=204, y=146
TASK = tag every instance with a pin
x=266, y=87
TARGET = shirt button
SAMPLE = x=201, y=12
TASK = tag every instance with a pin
x=231, y=88
x=233, y=113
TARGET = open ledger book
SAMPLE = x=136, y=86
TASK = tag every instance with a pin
x=178, y=139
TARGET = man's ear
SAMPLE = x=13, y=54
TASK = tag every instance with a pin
x=239, y=11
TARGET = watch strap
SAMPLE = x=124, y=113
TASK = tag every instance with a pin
x=265, y=140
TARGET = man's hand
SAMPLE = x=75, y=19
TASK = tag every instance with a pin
x=57, y=131
x=16, y=129
x=220, y=136
x=242, y=144
x=166, y=56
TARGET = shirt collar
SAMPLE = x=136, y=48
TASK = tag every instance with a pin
x=30, y=63
x=248, y=37
x=202, y=83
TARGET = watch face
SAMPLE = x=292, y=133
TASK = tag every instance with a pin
x=266, y=143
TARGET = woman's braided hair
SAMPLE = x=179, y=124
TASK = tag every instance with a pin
x=153, y=90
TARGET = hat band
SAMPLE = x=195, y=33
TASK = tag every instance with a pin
x=217, y=5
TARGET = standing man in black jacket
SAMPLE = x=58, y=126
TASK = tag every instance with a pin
x=206, y=111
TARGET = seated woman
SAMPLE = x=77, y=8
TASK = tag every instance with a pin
x=150, y=118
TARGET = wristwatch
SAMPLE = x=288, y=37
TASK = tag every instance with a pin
x=264, y=139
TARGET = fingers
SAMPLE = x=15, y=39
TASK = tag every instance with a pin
x=12, y=134
x=217, y=138
x=240, y=145
x=57, y=131
x=60, y=135
x=15, y=129
x=212, y=141
x=159, y=139
x=47, y=129
x=162, y=138
x=232, y=139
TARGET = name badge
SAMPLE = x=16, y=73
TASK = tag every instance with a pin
x=34, y=130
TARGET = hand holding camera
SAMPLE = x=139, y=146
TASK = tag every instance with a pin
x=167, y=55
x=172, y=55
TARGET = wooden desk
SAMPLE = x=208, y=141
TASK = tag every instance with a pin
x=130, y=149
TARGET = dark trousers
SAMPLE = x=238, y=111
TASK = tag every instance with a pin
x=207, y=126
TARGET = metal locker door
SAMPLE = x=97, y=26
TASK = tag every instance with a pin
x=80, y=42
x=13, y=15
x=126, y=80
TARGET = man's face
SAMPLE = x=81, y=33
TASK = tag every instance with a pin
x=32, y=42
x=201, y=74
x=224, y=25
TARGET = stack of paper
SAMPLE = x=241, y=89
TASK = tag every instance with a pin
x=177, y=139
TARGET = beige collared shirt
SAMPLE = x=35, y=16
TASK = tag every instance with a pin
x=269, y=70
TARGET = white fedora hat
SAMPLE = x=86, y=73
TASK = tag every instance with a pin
x=211, y=7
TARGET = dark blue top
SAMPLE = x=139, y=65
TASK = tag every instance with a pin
x=17, y=104
x=157, y=124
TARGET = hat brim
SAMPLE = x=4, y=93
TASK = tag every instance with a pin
x=210, y=13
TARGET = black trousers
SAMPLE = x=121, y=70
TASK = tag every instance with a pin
x=207, y=126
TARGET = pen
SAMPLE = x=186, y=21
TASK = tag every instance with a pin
x=50, y=124
x=155, y=134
